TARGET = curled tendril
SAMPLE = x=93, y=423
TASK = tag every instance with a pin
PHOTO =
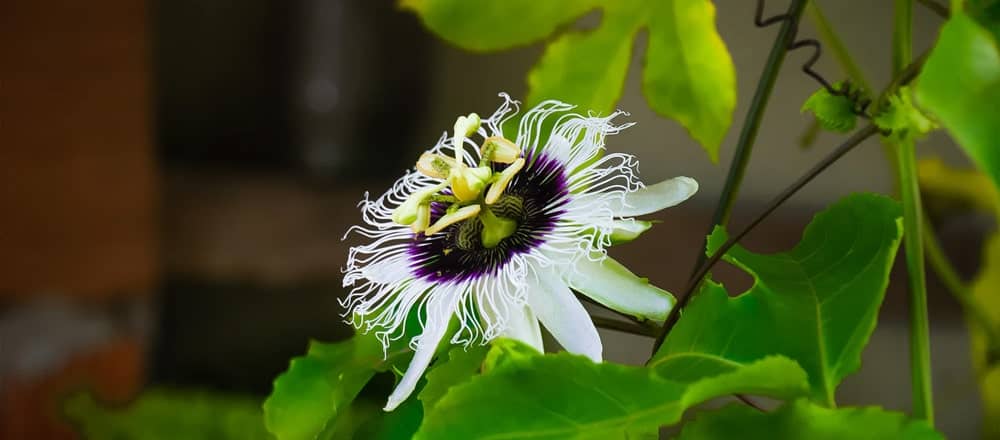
x=858, y=97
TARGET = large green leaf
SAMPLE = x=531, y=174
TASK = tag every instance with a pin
x=461, y=365
x=567, y=396
x=317, y=387
x=960, y=85
x=162, y=414
x=689, y=74
x=816, y=304
x=804, y=420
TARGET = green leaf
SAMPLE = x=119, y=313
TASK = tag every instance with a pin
x=689, y=74
x=816, y=304
x=503, y=351
x=960, y=85
x=318, y=386
x=169, y=414
x=398, y=424
x=461, y=365
x=496, y=24
x=563, y=73
x=566, y=396
x=833, y=112
x=804, y=420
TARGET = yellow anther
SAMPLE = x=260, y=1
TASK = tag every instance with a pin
x=498, y=149
x=498, y=187
x=468, y=183
x=450, y=219
x=408, y=212
x=423, y=218
x=435, y=165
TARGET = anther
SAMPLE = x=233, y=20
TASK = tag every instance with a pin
x=435, y=165
x=450, y=219
x=503, y=179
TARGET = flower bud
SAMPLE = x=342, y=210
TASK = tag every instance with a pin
x=435, y=165
x=498, y=149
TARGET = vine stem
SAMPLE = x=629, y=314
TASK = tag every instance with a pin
x=935, y=7
x=623, y=326
x=913, y=237
x=751, y=124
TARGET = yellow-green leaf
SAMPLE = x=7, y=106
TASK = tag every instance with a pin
x=689, y=75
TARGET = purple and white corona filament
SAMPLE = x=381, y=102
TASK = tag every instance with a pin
x=496, y=233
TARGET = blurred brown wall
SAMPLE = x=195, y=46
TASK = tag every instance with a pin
x=77, y=184
x=77, y=201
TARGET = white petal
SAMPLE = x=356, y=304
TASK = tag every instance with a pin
x=629, y=229
x=563, y=315
x=611, y=284
x=434, y=329
x=523, y=326
x=653, y=198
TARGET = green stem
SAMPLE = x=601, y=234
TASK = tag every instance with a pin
x=957, y=6
x=751, y=124
x=920, y=352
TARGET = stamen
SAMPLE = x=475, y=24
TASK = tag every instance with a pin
x=450, y=219
x=498, y=187
x=408, y=212
x=423, y=218
x=498, y=149
x=435, y=165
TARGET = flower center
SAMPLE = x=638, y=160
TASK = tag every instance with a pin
x=493, y=224
x=532, y=204
x=474, y=190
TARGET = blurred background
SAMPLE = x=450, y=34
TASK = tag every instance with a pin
x=177, y=176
